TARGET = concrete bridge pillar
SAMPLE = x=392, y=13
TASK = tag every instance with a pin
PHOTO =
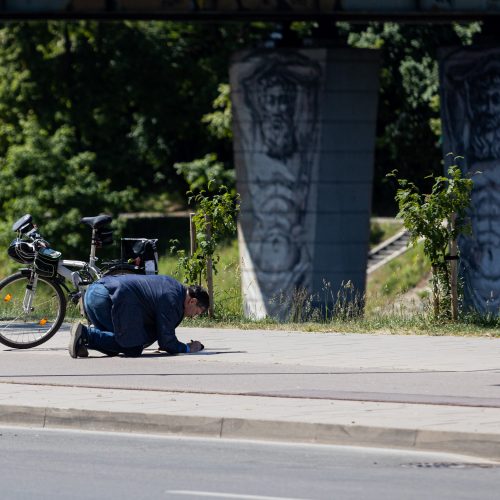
x=470, y=111
x=304, y=133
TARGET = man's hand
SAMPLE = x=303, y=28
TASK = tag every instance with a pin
x=195, y=346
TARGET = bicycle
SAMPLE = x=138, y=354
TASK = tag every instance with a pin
x=33, y=301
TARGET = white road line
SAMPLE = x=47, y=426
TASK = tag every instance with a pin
x=227, y=495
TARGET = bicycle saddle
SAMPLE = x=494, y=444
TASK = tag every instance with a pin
x=97, y=221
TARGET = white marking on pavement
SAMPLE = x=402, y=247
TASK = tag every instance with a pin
x=226, y=495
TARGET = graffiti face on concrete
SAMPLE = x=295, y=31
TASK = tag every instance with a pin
x=281, y=92
x=480, y=253
x=484, y=97
x=471, y=117
x=275, y=114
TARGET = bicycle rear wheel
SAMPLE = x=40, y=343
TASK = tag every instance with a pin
x=116, y=268
x=21, y=328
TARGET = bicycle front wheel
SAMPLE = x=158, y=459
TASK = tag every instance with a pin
x=29, y=318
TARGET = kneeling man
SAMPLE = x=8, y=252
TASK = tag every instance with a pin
x=130, y=312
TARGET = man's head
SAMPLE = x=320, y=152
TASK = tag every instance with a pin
x=196, y=301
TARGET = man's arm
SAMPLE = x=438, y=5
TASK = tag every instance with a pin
x=167, y=339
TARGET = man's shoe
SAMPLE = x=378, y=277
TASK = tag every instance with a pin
x=77, y=347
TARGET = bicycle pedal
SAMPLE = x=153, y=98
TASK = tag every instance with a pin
x=75, y=297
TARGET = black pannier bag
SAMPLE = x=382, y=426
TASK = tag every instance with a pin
x=141, y=252
x=103, y=237
x=46, y=262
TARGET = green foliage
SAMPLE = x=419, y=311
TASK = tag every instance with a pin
x=198, y=172
x=214, y=220
x=383, y=313
x=429, y=217
x=383, y=230
x=143, y=98
x=94, y=115
x=304, y=29
x=227, y=282
x=44, y=177
x=134, y=93
x=397, y=277
x=467, y=31
x=409, y=122
x=376, y=234
x=219, y=121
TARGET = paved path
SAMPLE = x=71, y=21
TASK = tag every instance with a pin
x=436, y=393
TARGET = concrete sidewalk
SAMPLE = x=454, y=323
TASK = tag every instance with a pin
x=413, y=392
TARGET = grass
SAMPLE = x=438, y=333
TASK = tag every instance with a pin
x=388, y=283
x=385, y=310
x=227, y=284
x=381, y=230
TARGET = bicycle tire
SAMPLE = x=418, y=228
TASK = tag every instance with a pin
x=22, y=330
x=119, y=271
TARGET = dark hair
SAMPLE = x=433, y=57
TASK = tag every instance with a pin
x=200, y=294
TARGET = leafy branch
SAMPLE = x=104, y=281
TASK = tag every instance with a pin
x=214, y=220
x=438, y=218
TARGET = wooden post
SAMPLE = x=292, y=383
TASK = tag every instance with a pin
x=454, y=271
x=435, y=291
x=210, y=283
x=192, y=239
x=192, y=234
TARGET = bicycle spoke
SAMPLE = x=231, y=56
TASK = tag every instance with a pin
x=22, y=329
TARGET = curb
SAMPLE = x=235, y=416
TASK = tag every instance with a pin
x=485, y=446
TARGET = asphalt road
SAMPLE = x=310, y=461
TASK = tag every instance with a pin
x=48, y=464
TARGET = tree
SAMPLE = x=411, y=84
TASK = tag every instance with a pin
x=93, y=116
x=42, y=176
x=408, y=128
x=200, y=172
x=133, y=92
x=138, y=96
x=438, y=218
x=216, y=211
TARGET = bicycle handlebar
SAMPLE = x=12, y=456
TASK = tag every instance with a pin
x=25, y=228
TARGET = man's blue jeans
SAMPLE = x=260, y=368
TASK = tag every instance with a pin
x=101, y=336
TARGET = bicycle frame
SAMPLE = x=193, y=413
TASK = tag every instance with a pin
x=30, y=293
x=65, y=268
x=37, y=306
x=79, y=264
x=68, y=269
